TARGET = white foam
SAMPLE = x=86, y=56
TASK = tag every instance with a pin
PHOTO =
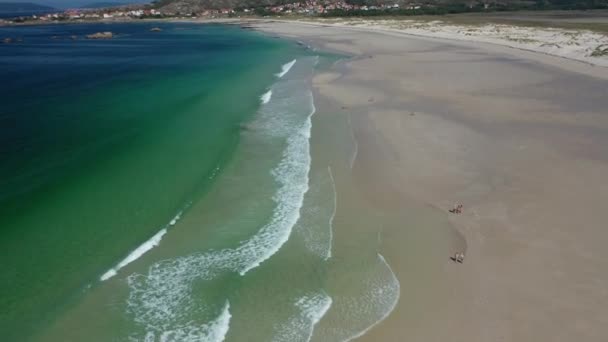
x=214, y=331
x=265, y=98
x=292, y=175
x=141, y=250
x=175, y=219
x=285, y=68
x=163, y=297
x=300, y=328
x=314, y=308
x=333, y=213
x=135, y=254
x=316, y=224
x=380, y=292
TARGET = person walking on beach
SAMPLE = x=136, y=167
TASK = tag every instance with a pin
x=457, y=209
x=458, y=257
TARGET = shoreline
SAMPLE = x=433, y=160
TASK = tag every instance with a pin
x=410, y=210
x=519, y=43
x=488, y=141
x=72, y=299
x=388, y=26
x=567, y=63
x=407, y=127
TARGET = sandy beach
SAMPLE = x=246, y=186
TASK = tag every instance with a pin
x=519, y=138
x=579, y=44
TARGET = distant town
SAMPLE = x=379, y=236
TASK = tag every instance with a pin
x=322, y=8
x=307, y=8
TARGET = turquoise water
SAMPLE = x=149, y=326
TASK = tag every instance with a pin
x=103, y=142
x=179, y=186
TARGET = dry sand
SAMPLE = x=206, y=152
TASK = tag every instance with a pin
x=520, y=139
x=578, y=44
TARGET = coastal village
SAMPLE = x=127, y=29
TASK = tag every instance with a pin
x=307, y=8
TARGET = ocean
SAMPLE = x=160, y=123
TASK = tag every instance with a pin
x=169, y=186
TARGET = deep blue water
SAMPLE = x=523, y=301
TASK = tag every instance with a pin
x=103, y=141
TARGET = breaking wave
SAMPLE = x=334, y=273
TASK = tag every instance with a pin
x=162, y=299
x=285, y=68
x=142, y=249
x=300, y=328
x=214, y=331
x=265, y=98
x=386, y=295
x=333, y=214
x=316, y=224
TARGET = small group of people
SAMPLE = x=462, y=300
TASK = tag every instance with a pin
x=457, y=209
x=458, y=257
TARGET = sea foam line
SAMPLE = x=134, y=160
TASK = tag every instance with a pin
x=314, y=309
x=300, y=328
x=152, y=242
x=214, y=331
x=285, y=68
x=162, y=298
x=290, y=196
x=391, y=307
x=265, y=98
x=333, y=213
x=142, y=249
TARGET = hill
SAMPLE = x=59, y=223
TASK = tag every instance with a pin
x=109, y=4
x=188, y=6
x=23, y=7
x=101, y=5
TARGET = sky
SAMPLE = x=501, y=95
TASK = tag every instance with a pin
x=72, y=3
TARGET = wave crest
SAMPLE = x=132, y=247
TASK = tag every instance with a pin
x=265, y=98
x=300, y=328
x=163, y=297
x=285, y=68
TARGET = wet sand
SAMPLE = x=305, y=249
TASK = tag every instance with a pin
x=520, y=139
